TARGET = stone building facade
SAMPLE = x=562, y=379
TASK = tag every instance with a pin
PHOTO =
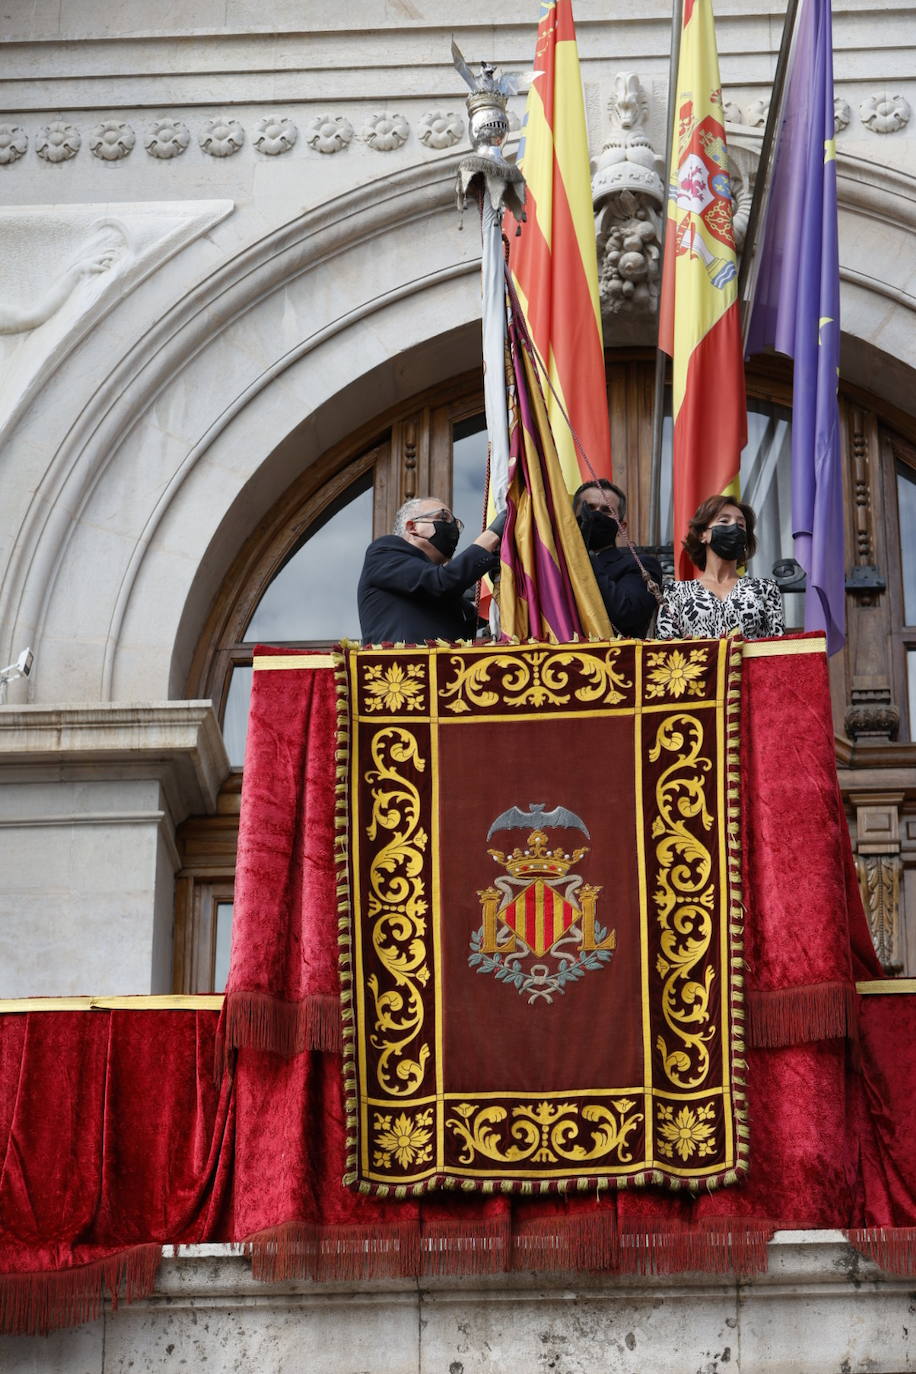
x=239, y=324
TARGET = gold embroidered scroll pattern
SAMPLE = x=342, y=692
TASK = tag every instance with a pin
x=684, y=898
x=536, y=678
x=546, y=1132
x=397, y=909
x=674, y=673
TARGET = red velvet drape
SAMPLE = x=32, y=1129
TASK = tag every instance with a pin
x=114, y=1138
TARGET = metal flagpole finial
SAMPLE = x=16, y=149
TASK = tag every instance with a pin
x=488, y=129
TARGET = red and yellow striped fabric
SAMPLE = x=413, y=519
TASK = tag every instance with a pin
x=553, y=261
x=699, y=323
x=540, y=915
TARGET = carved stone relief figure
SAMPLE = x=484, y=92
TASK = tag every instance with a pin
x=628, y=194
x=628, y=197
x=106, y=246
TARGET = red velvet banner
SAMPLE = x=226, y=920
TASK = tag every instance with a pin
x=543, y=993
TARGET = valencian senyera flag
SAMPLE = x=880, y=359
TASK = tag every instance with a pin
x=547, y=589
x=554, y=260
x=699, y=324
x=797, y=311
x=541, y=974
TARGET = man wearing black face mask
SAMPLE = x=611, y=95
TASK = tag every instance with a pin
x=600, y=509
x=413, y=583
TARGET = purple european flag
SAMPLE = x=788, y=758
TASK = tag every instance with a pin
x=796, y=311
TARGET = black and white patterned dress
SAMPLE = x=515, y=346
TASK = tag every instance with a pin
x=692, y=611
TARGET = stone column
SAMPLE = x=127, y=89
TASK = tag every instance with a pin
x=90, y=800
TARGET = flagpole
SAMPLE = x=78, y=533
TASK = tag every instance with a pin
x=747, y=275
x=661, y=359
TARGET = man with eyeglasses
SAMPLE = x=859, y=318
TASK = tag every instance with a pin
x=412, y=584
x=600, y=509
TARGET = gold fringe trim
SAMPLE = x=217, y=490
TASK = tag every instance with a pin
x=734, y=649
x=343, y=666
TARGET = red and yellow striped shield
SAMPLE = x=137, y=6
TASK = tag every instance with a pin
x=540, y=915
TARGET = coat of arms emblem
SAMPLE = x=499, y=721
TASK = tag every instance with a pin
x=540, y=930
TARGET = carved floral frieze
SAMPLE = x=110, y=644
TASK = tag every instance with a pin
x=440, y=129
x=58, y=142
x=384, y=132
x=111, y=140
x=842, y=114
x=167, y=138
x=13, y=144
x=885, y=114
x=329, y=133
x=274, y=134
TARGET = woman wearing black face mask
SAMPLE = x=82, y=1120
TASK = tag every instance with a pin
x=720, y=539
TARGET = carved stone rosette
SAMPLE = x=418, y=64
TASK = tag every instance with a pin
x=167, y=138
x=384, y=132
x=222, y=137
x=111, y=140
x=440, y=129
x=275, y=135
x=329, y=133
x=885, y=114
x=58, y=142
x=13, y=144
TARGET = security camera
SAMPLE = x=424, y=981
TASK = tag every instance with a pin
x=21, y=668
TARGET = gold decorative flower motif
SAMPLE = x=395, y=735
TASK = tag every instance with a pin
x=673, y=674
x=687, y=1132
x=393, y=688
x=405, y=1138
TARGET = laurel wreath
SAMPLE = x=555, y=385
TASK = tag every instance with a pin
x=537, y=986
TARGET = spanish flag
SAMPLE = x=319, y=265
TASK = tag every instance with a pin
x=699, y=324
x=553, y=261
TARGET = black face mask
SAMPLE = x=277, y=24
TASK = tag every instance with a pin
x=598, y=530
x=729, y=542
x=445, y=538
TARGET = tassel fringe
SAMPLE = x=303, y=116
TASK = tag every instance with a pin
x=558, y=1244
x=892, y=1248
x=34, y=1304
x=256, y=1020
x=793, y=1016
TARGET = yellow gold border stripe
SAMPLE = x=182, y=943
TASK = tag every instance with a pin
x=275, y=661
x=163, y=1002
x=213, y=1001
x=879, y=986
x=775, y=648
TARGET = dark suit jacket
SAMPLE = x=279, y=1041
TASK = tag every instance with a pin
x=404, y=597
x=630, y=605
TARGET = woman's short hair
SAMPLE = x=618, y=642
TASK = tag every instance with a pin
x=704, y=515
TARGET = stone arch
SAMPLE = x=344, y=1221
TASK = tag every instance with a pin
x=161, y=469
x=258, y=369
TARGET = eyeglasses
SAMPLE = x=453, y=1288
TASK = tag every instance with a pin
x=445, y=515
